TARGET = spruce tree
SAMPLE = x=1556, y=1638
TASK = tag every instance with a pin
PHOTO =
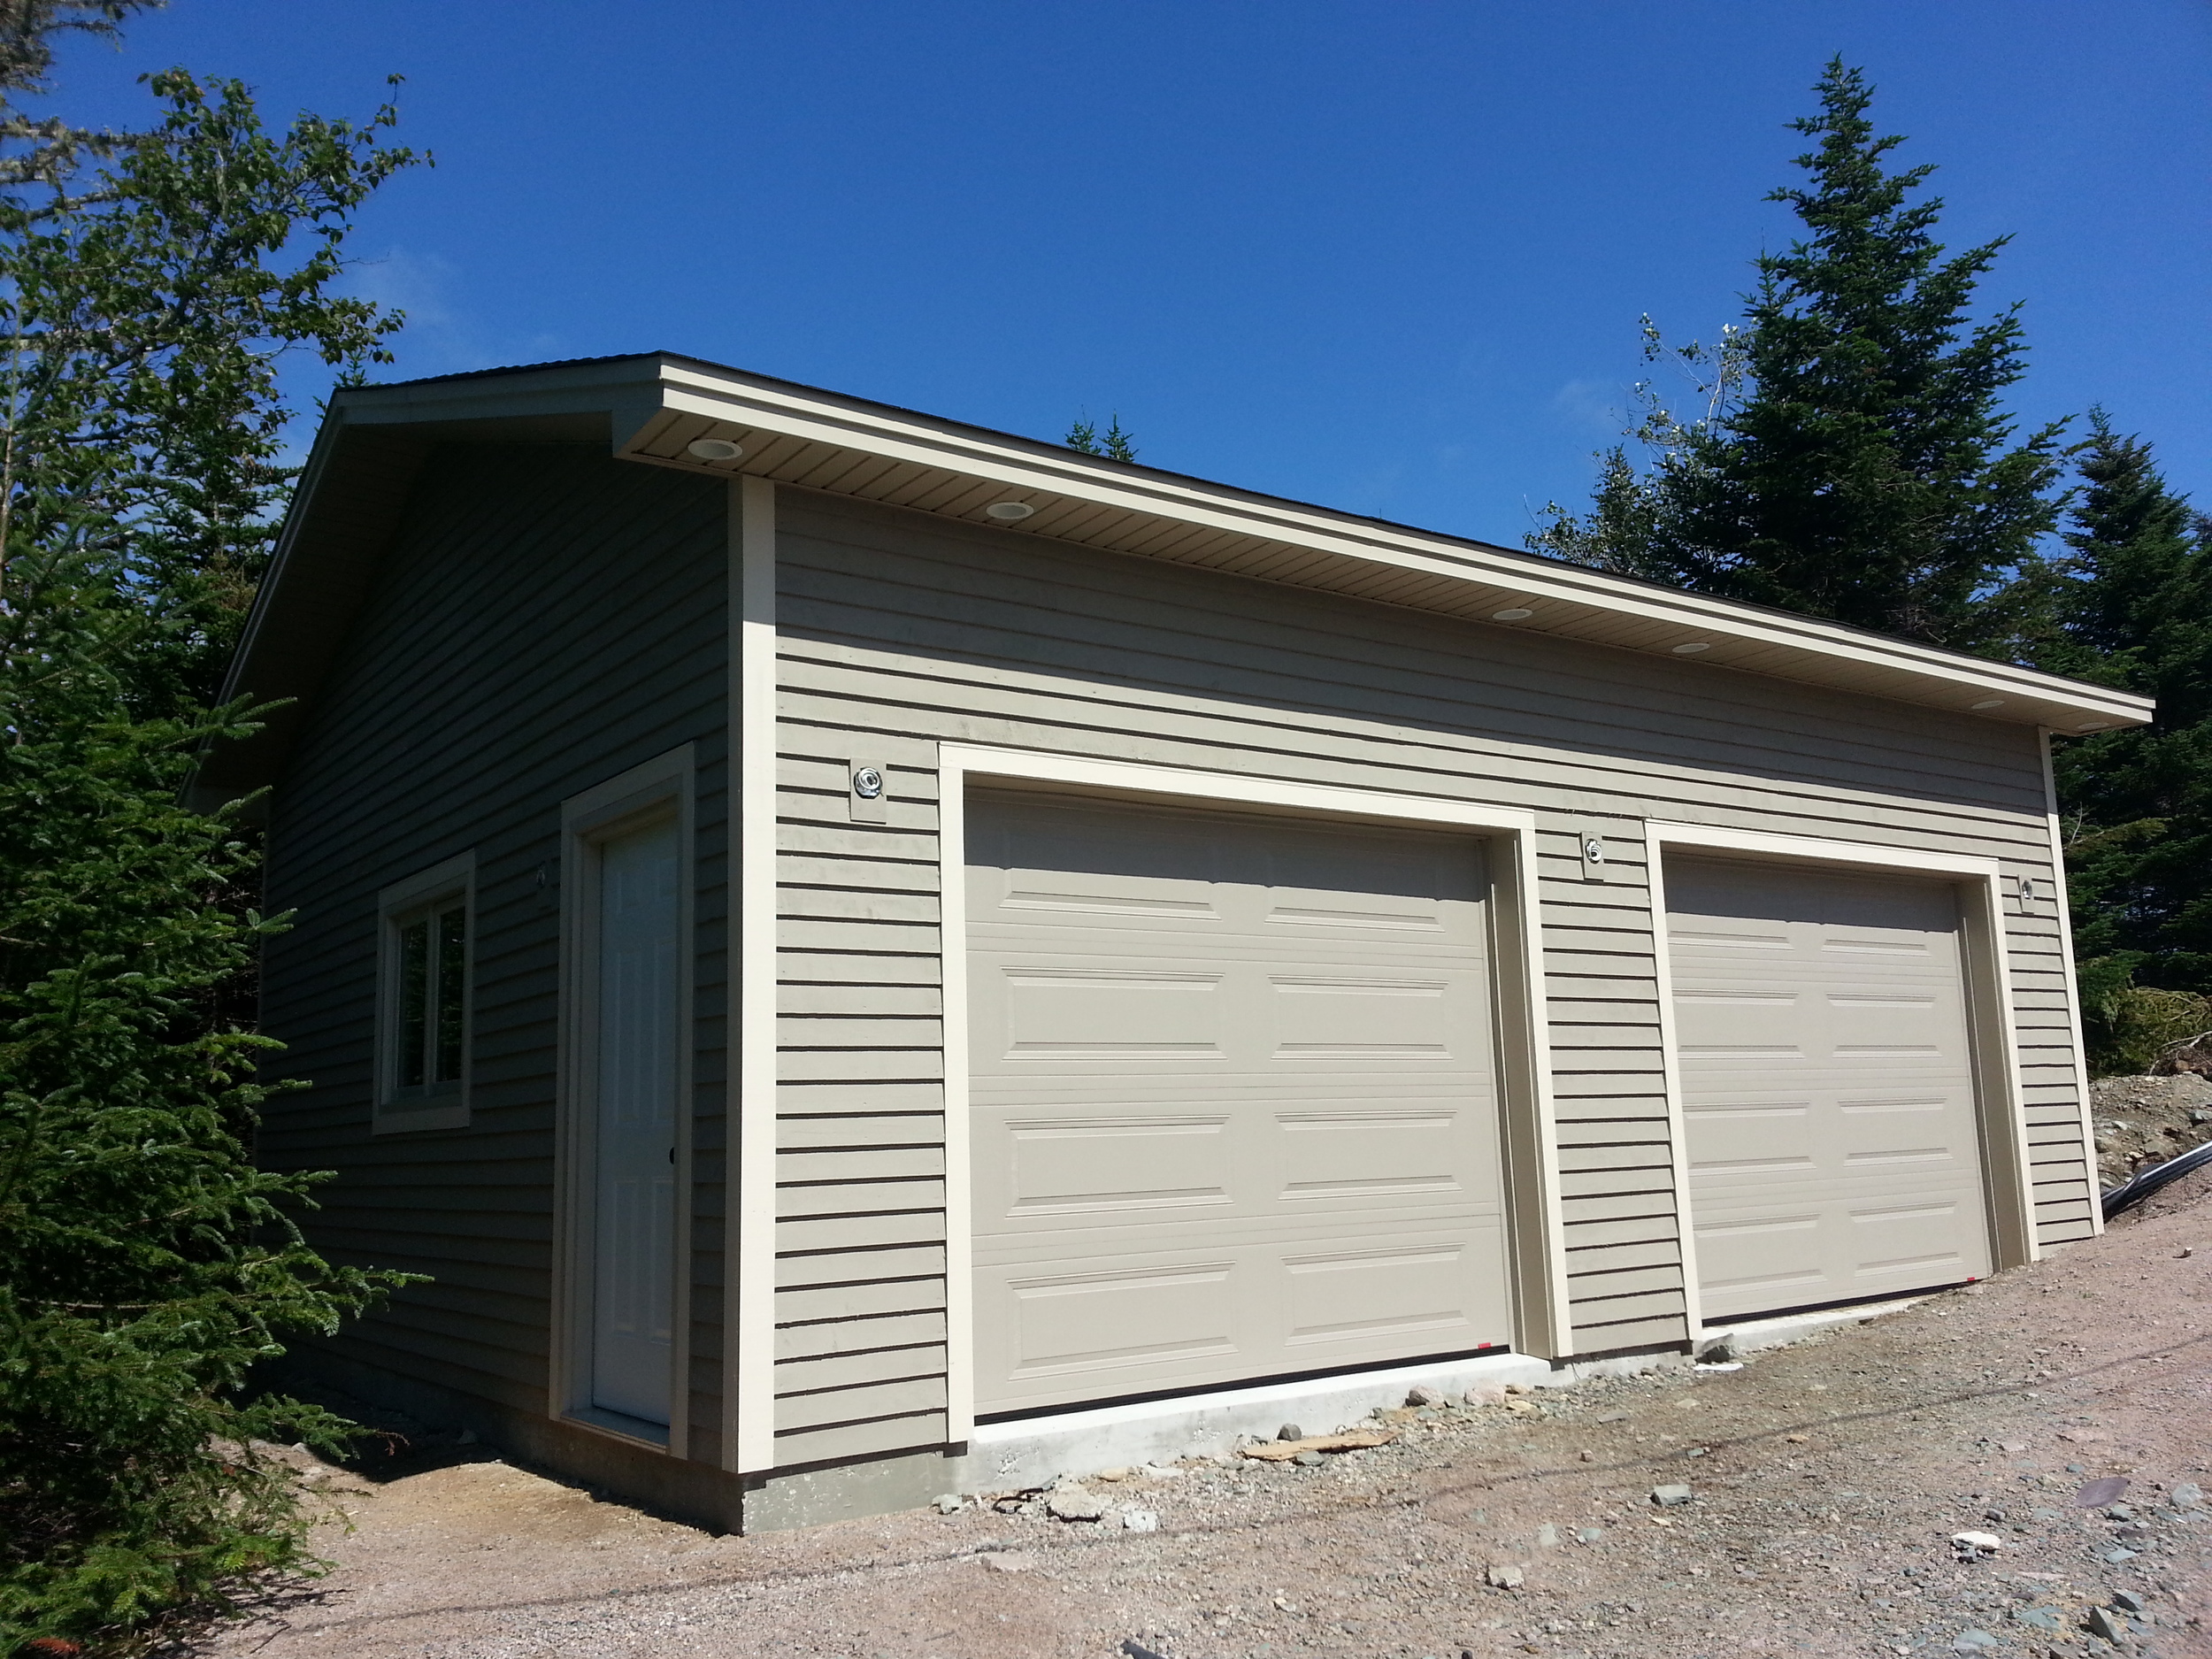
x=2131, y=604
x=150, y=283
x=1854, y=460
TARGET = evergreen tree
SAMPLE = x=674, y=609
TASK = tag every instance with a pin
x=150, y=283
x=1113, y=443
x=2133, y=607
x=1854, y=460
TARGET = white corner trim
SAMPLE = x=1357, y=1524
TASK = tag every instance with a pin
x=957, y=763
x=1819, y=849
x=748, y=1384
x=2071, y=990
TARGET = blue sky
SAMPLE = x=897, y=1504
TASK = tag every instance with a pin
x=1386, y=257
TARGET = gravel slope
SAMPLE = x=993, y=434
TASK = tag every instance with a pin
x=1826, y=1482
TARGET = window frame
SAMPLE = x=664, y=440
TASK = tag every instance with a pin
x=403, y=1108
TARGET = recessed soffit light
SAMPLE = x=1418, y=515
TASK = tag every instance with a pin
x=1989, y=703
x=1691, y=648
x=714, y=450
x=1009, y=511
x=1512, y=613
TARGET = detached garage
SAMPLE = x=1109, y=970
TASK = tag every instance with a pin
x=860, y=952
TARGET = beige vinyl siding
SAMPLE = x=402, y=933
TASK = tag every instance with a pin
x=547, y=617
x=898, y=632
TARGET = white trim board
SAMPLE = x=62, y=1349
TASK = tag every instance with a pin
x=1988, y=970
x=2064, y=911
x=749, y=1382
x=1542, y=1307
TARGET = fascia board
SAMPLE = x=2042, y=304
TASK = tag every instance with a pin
x=963, y=451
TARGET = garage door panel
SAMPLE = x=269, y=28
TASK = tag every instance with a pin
x=1229, y=1076
x=1829, y=1108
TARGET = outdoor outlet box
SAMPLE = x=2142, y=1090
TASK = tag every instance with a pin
x=869, y=792
x=1593, y=845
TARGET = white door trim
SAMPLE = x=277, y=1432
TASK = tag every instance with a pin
x=2008, y=1184
x=1525, y=1070
x=661, y=787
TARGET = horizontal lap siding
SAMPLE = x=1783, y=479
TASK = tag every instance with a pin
x=897, y=634
x=546, y=619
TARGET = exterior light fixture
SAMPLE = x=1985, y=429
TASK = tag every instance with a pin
x=1989, y=703
x=714, y=450
x=1691, y=648
x=1009, y=511
x=1515, y=613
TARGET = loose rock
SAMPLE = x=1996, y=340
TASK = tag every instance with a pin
x=2110, y=1625
x=1073, y=1503
x=1007, y=1561
x=1140, y=1520
x=1504, y=1575
x=1970, y=1545
x=1669, y=1497
x=1421, y=1395
x=947, y=1503
x=2186, y=1496
x=1290, y=1432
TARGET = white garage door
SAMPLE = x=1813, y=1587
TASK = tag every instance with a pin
x=1232, y=1098
x=1827, y=1084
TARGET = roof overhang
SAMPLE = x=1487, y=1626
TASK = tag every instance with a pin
x=651, y=408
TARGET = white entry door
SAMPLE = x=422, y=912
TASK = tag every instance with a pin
x=638, y=1028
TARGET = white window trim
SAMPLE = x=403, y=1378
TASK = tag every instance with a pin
x=662, y=788
x=2008, y=1184
x=452, y=878
x=1529, y=1162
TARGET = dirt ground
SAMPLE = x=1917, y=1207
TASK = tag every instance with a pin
x=1827, y=1481
x=2140, y=1121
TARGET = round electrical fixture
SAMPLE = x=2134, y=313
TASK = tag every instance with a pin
x=1515, y=613
x=1989, y=703
x=1692, y=647
x=2093, y=726
x=1009, y=511
x=714, y=450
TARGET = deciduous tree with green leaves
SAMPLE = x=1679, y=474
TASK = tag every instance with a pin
x=151, y=283
x=1853, y=459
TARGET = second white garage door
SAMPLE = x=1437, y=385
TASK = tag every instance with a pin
x=1828, y=1084
x=1232, y=1098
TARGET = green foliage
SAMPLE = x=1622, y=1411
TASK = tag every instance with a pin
x=2130, y=606
x=1113, y=443
x=149, y=284
x=2127, y=1026
x=1852, y=460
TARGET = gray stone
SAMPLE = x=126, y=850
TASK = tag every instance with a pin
x=2105, y=1622
x=2127, y=1600
x=947, y=1503
x=1971, y=1640
x=1669, y=1497
x=1504, y=1575
x=2186, y=1496
x=1548, y=1536
x=1591, y=1534
x=1073, y=1503
x=2114, y=1557
x=1424, y=1395
x=1140, y=1520
x=2037, y=1618
x=1310, y=1460
x=1007, y=1561
x=1290, y=1432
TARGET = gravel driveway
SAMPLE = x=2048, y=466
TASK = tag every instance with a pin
x=1825, y=1482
